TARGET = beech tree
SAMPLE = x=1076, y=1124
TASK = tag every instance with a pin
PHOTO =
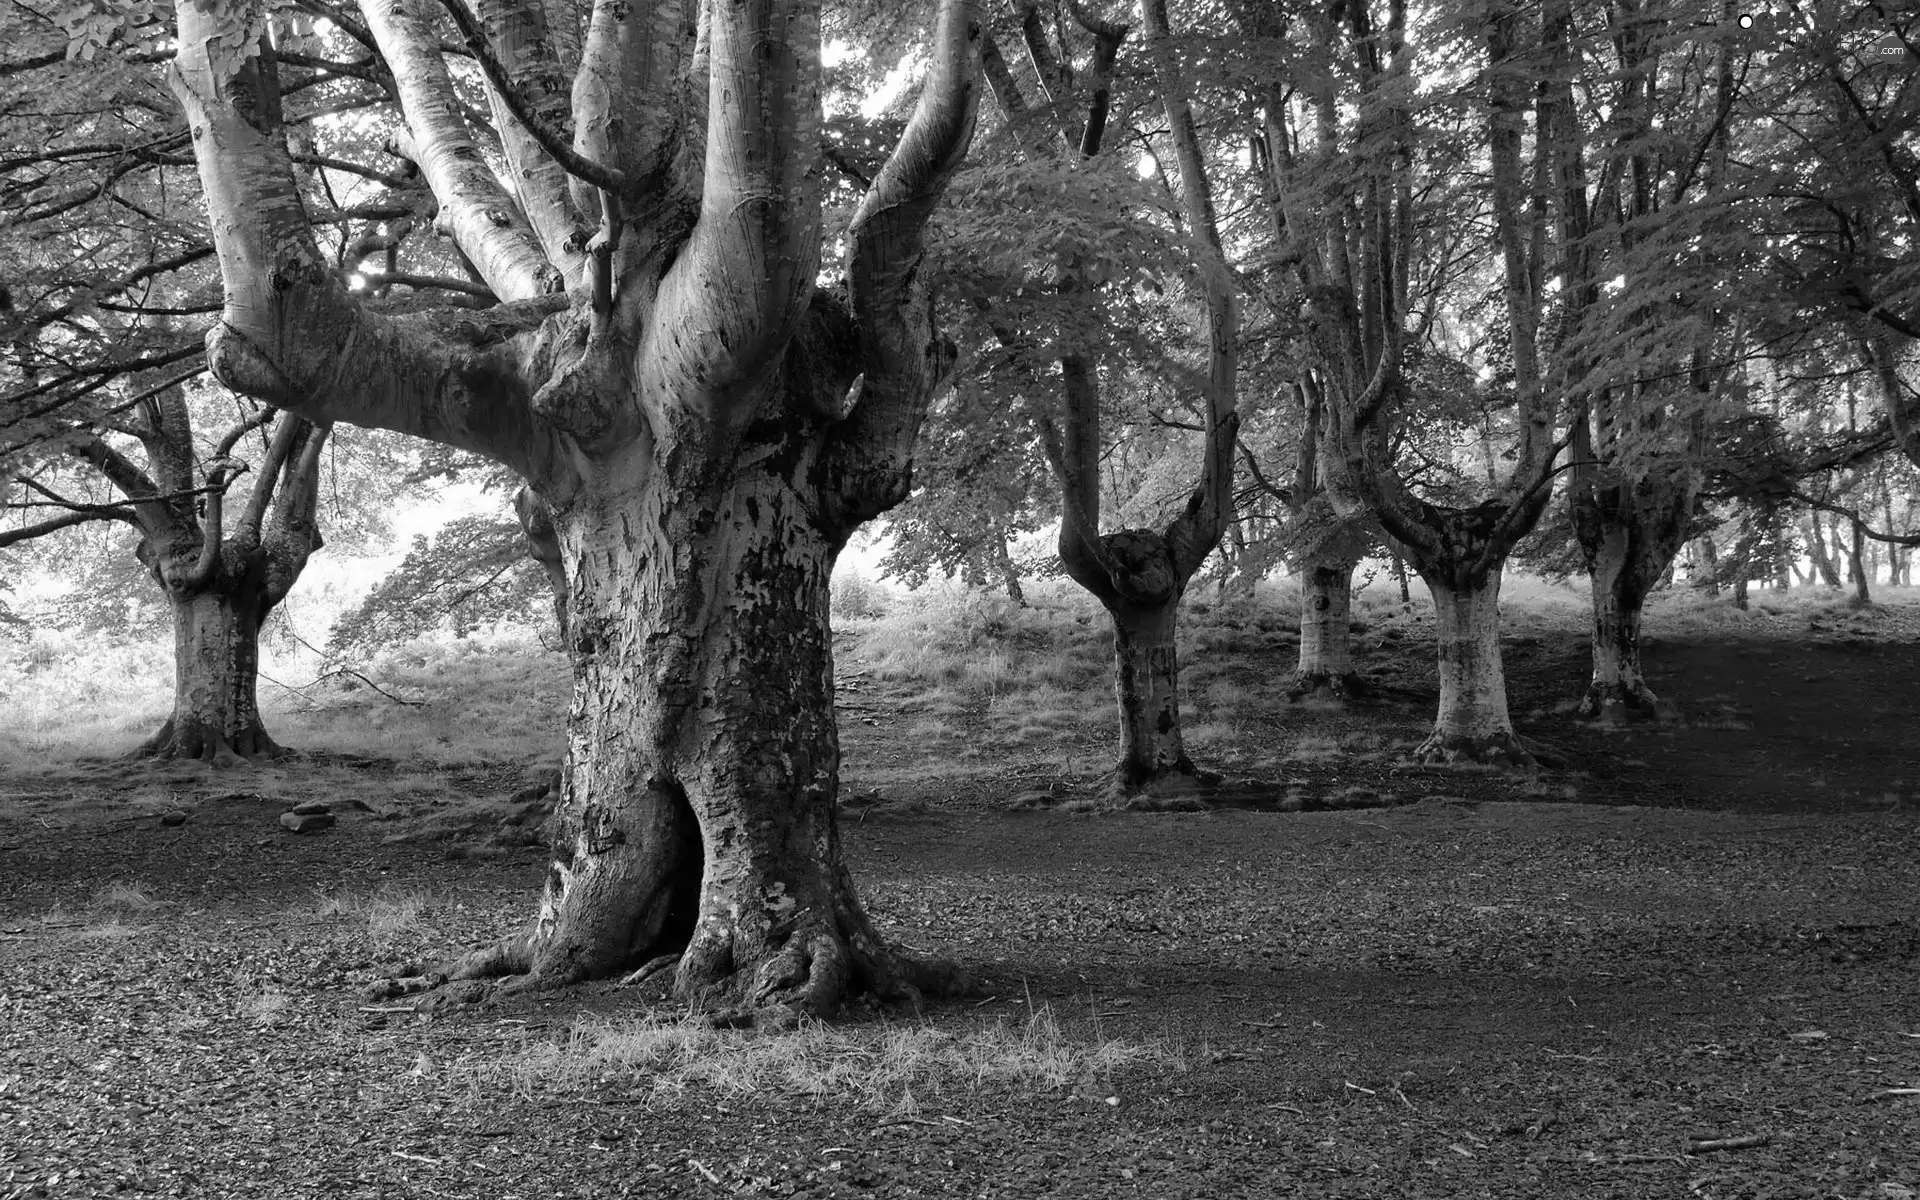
x=704, y=420
x=106, y=279
x=1138, y=575
x=221, y=576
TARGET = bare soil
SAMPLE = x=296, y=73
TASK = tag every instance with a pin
x=1571, y=983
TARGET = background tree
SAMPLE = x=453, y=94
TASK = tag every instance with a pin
x=1138, y=575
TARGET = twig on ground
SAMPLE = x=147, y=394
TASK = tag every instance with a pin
x=647, y=970
x=1356, y=1087
x=1891, y=1093
x=419, y=1158
x=1747, y=1141
x=701, y=1167
x=1260, y=1024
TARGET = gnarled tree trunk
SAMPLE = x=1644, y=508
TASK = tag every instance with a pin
x=705, y=424
x=216, y=663
x=702, y=765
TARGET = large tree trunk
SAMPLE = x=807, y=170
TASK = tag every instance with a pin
x=216, y=658
x=1326, y=631
x=698, y=814
x=1153, y=755
x=1473, y=724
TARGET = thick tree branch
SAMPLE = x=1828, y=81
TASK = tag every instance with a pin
x=292, y=336
x=483, y=219
x=26, y=533
x=533, y=93
x=746, y=275
x=903, y=357
x=1195, y=533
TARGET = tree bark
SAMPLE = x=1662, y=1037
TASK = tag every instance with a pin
x=1154, y=767
x=1618, y=688
x=543, y=546
x=216, y=660
x=1326, y=631
x=1630, y=532
x=1473, y=724
x=702, y=767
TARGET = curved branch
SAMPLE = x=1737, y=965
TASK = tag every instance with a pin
x=292, y=336
x=902, y=356
x=26, y=533
x=482, y=217
x=538, y=125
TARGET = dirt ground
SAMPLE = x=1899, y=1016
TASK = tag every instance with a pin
x=1574, y=983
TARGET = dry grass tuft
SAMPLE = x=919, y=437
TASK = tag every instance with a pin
x=878, y=1068
x=389, y=915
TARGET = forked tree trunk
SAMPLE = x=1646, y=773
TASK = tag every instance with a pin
x=216, y=658
x=1326, y=631
x=1473, y=724
x=1153, y=754
x=702, y=767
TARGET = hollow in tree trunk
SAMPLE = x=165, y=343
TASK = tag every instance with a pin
x=1473, y=724
x=1326, y=632
x=698, y=814
x=216, y=717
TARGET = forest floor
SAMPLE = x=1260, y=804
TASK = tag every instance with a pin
x=1571, y=983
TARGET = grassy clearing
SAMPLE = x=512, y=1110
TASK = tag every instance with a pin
x=884, y=1067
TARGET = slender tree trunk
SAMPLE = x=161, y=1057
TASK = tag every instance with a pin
x=1326, y=631
x=216, y=658
x=1400, y=577
x=1705, y=574
x=1856, y=561
x=1473, y=724
x=1817, y=551
x=1009, y=574
x=702, y=766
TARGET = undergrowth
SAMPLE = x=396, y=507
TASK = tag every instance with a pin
x=881, y=1067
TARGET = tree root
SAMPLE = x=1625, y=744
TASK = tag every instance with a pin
x=1343, y=688
x=1500, y=750
x=195, y=742
x=1617, y=704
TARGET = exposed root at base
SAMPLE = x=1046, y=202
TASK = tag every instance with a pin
x=1617, y=705
x=1328, y=688
x=1180, y=789
x=197, y=744
x=809, y=977
x=1500, y=750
